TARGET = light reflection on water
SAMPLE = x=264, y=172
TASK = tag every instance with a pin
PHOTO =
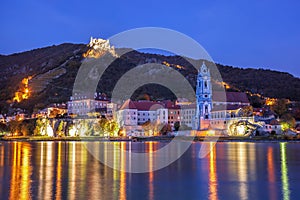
x=242, y=159
x=213, y=177
x=21, y=171
x=66, y=170
x=284, y=172
x=271, y=173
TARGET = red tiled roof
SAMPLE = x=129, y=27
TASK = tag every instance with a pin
x=148, y=105
x=274, y=122
x=239, y=97
x=171, y=105
x=128, y=104
x=142, y=105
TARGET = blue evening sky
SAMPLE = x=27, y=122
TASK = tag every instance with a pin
x=242, y=33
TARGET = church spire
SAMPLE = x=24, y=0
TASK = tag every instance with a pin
x=203, y=94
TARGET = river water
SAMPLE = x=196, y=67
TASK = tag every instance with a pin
x=233, y=170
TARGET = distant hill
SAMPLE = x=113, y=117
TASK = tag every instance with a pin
x=53, y=70
x=265, y=82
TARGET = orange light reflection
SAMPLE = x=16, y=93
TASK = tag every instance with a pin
x=122, y=195
x=21, y=171
x=150, y=165
x=213, y=178
x=271, y=174
x=271, y=170
x=59, y=173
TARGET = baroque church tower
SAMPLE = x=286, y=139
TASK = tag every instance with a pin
x=203, y=95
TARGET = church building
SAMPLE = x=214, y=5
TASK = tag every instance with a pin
x=203, y=95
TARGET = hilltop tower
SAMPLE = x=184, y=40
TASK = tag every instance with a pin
x=203, y=95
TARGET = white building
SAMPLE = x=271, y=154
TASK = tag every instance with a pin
x=127, y=114
x=53, y=110
x=222, y=117
x=133, y=114
x=230, y=98
x=228, y=113
x=188, y=113
x=82, y=104
x=274, y=127
x=111, y=112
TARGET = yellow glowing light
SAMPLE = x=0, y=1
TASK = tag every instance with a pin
x=23, y=92
x=122, y=195
x=165, y=63
x=150, y=166
x=270, y=101
x=213, y=177
x=47, y=130
x=50, y=131
x=226, y=85
x=240, y=130
x=72, y=131
x=59, y=172
x=285, y=126
x=172, y=65
x=211, y=132
x=21, y=171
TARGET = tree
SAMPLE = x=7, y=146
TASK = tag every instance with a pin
x=27, y=126
x=122, y=132
x=280, y=107
x=3, y=128
x=176, y=126
x=165, y=129
x=103, y=126
x=287, y=121
x=107, y=127
x=113, y=128
x=296, y=113
x=256, y=101
x=84, y=128
x=42, y=127
x=38, y=126
x=14, y=127
x=148, y=127
x=60, y=128
x=247, y=111
x=71, y=129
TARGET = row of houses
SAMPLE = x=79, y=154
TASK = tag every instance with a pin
x=131, y=115
x=217, y=110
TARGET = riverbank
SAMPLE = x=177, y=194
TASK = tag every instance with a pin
x=153, y=138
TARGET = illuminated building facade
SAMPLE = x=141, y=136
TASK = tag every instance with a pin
x=203, y=95
x=133, y=114
x=82, y=104
x=138, y=112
